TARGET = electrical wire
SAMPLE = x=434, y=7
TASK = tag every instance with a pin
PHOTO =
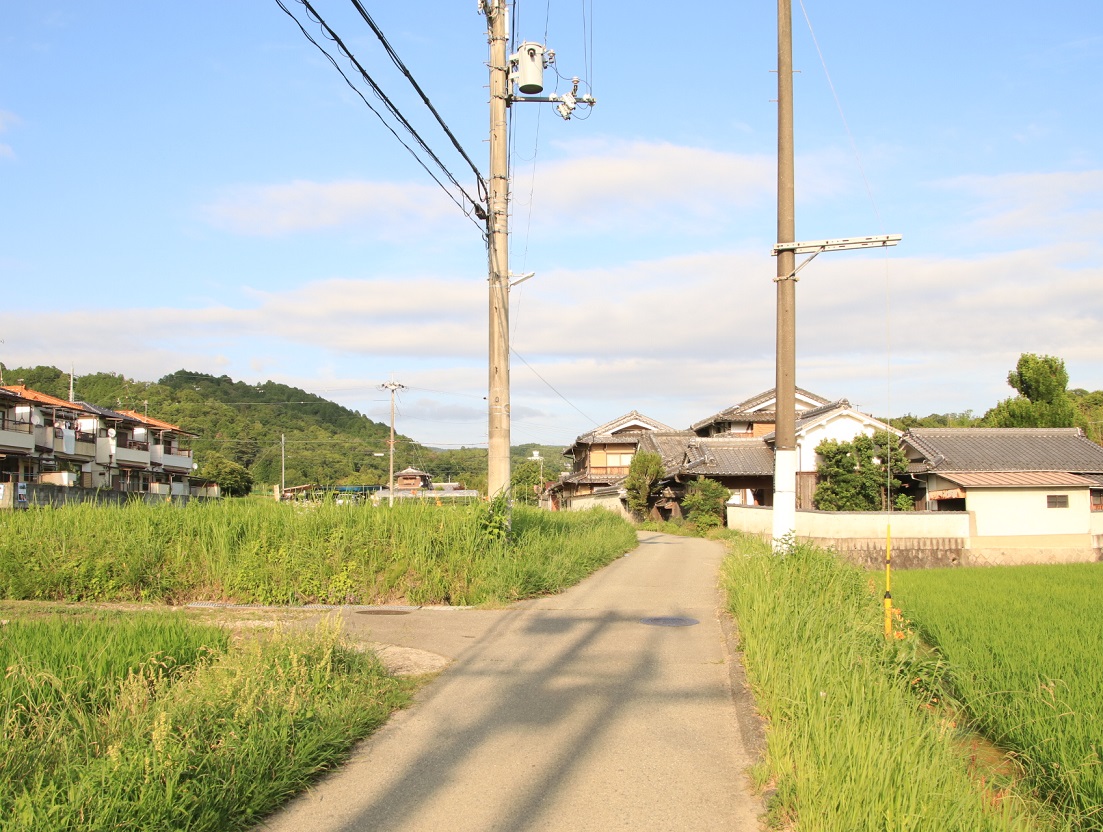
x=546, y=382
x=402, y=68
x=477, y=207
x=884, y=253
x=333, y=36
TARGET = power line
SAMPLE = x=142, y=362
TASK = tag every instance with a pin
x=402, y=68
x=477, y=207
x=564, y=398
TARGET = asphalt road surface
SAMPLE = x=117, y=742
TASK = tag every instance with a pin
x=563, y=713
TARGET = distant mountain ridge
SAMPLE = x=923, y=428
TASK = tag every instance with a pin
x=323, y=442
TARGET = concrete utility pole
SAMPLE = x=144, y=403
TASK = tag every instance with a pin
x=785, y=444
x=786, y=249
x=283, y=464
x=392, y=386
x=498, y=254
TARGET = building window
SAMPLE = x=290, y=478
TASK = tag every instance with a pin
x=619, y=460
x=1097, y=500
x=1057, y=501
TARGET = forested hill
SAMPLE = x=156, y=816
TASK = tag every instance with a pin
x=243, y=423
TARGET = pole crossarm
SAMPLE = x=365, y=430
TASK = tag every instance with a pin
x=842, y=244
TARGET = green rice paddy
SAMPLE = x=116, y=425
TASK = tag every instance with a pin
x=1025, y=649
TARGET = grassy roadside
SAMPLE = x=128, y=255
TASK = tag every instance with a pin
x=140, y=719
x=268, y=553
x=147, y=721
x=850, y=746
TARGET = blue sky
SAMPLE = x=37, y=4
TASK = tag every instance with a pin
x=194, y=186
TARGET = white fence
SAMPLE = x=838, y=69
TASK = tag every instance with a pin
x=923, y=538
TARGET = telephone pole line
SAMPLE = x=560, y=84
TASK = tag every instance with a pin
x=513, y=79
x=393, y=386
x=498, y=254
x=785, y=405
x=785, y=444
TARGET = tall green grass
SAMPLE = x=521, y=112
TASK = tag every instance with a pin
x=1026, y=647
x=197, y=735
x=265, y=552
x=850, y=746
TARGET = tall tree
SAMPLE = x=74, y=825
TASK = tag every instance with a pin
x=1043, y=400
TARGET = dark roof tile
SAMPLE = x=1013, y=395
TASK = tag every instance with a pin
x=1004, y=449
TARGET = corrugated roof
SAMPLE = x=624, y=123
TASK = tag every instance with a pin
x=1015, y=479
x=107, y=413
x=1004, y=449
x=149, y=421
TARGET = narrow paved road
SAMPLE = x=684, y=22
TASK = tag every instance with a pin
x=564, y=713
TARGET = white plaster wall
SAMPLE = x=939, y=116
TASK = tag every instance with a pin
x=842, y=428
x=1096, y=522
x=872, y=524
x=1022, y=511
x=855, y=524
x=751, y=519
x=609, y=501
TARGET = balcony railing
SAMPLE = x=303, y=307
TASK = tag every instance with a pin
x=17, y=437
x=608, y=470
x=178, y=460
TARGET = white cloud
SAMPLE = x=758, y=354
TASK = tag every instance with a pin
x=597, y=187
x=379, y=209
x=649, y=181
x=677, y=338
x=1038, y=207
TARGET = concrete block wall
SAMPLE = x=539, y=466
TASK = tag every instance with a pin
x=907, y=552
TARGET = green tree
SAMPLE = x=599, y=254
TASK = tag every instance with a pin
x=704, y=502
x=1089, y=412
x=856, y=475
x=233, y=480
x=525, y=482
x=964, y=419
x=646, y=470
x=1043, y=400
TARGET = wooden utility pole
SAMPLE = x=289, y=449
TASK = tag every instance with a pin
x=393, y=386
x=498, y=254
x=785, y=442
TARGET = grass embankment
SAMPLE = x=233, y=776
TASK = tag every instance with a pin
x=1025, y=646
x=149, y=722
x=265, y=552
x=850, y=745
